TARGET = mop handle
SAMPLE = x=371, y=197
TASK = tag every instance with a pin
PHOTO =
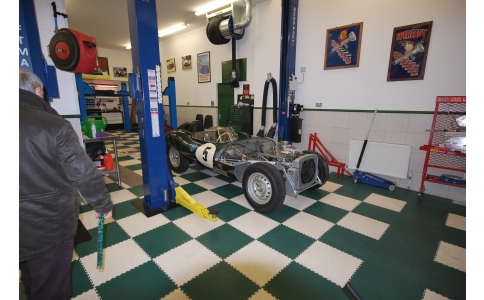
x=366, y=140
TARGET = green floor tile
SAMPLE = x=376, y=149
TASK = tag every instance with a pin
x=80, y=282
x=378, y=213
x=21, y=292
x=315, y=194
x=124, y=158
x=326, y=212
x=458, y=209
x=287, y=241
x=297, y=282
x=350, y=242
x=192, y=177
x=228, y=191
x=135, y=167
x=454, y=236
x=137, y=190
x=192, y=188
x=123, y=210
x=282, y=214
x=225, y=178
x=162, y=239
x=357, y=191
x=113, y=186
x=446, y=281
x=224, y=240
x=198, y=167
x=176, y=213
x=229, y=210
x=220, y=282
x=85, y=208
x=113, y=234
x=144, y=282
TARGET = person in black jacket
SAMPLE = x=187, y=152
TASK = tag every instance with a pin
x=53, y=168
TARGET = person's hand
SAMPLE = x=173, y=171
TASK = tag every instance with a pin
x=106, y=215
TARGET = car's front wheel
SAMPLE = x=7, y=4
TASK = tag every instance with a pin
x=264, y=187
x=178, y=163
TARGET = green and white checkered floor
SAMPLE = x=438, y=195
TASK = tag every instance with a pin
x=388, y=245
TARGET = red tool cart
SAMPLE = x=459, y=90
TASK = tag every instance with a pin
x=446, y=149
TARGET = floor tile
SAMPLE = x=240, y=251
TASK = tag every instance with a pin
x=138, y=223
x=452, y=256
x=176, y=295
x=208, y=198
x=262, y=295
x=131, y=162
x=258, y=262
x=287, y=241
x=456, y=221
x=429, y=295
x=364, y=225
x=330, y=186
x=211, y=183
x=385, y=202
x=299, y=202
x=155, y=242
x=308, y=224
x=89, y=295
x=90, y=221
x=121, y=196
x=241, y=200
x=195, y=226
x=253, y=224
x=228, y=191
x=342, y=202
x=196, y=260
x=329, y=262
x=113, y=256
x=224, y=240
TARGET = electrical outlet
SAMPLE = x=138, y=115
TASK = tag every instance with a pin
x=319, y=104
x=303, y=69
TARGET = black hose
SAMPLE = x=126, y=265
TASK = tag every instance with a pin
x=352, y=291
x=274, y=100
x=264, y=103
x=361, y=153
x=233, y=56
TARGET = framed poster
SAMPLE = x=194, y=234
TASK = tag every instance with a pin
x=170, y=65
x=203, y=67
x=343, y=46
x=186, y=62
x=408, y=54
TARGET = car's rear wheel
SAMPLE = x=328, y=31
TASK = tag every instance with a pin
x=323, y=168
x=264, y=187
x=178, y=163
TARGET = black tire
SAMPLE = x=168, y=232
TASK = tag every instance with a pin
x=264, y=187
x=177, y=162
x=323, y=169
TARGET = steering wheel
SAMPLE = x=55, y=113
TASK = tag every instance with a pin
x=225, y=133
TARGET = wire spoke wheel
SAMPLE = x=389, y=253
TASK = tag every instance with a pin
x=177, y=162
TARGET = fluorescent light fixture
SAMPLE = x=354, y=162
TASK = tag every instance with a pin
x=172, y=29
x=104, y=87
x=212, y=6
x=128, y=46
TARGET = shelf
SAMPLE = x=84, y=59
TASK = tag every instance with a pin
x=442, y=151
x=436, y=179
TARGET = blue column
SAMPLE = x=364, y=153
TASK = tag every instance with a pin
x=171, y=93
x=158, y=182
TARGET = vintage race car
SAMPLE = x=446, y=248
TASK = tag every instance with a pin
x=268, y=170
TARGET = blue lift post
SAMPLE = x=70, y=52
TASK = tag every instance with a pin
x=287, y=67
x=158, y=183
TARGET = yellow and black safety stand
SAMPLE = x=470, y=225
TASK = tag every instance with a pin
x=185, y=200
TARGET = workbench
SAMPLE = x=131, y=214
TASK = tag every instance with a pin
x=113, y=138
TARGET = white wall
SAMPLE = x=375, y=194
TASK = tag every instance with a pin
x=117, y=58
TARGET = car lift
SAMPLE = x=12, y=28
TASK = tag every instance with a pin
x=161, y=192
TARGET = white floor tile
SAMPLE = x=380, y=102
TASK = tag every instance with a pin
x=330, y=186
x=262, y=295
x=130, y=162
x=339, y=201
x=89, y=295
x=253, y=224
x=308, y=224
x=331, y=263
x=429, y=295
x=137, y=224
x=299, y=202
x=211, y=183
x=118, y=259
x=385, y=202
x=195, y=226
x=364, y=225
x=258, y=262
x=456, y=221
x=452, y=256
x=242, y=201
x=208, y=198
x=176, y=295
x=121, y=196
x=208, y=172
x=195, y=260
x=181, y=181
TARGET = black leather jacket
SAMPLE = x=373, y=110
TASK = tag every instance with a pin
x=52, y=164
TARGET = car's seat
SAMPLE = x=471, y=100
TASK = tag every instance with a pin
x=199, y=117
x=208, y=121
x=197, y=126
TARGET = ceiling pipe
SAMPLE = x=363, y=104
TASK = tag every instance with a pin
x=248, y=16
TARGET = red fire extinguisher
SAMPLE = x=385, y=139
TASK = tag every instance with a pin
x=108, y=161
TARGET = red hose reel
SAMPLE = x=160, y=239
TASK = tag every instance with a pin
x=73, y=51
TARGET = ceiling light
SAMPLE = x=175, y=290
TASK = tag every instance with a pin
x=128, y=46
x=172, y=29
x=212, y=6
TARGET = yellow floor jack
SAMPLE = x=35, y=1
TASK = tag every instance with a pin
x=189, y=203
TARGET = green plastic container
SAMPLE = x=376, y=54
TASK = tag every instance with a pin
x=100, y=124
